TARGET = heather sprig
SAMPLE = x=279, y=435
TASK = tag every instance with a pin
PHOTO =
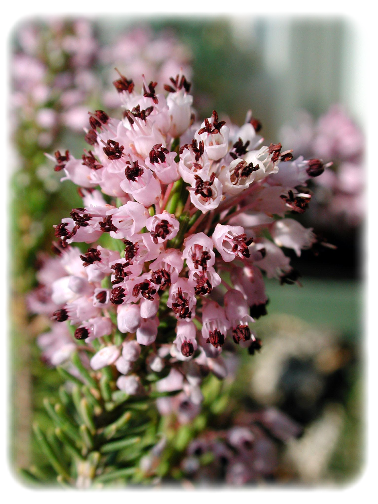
x=179, y=223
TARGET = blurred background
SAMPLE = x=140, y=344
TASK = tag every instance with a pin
x=300, y=78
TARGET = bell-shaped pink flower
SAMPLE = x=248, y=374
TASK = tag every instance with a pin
x=147, y=331
x=231, y=242
x=81, y=309
x=182, y=299
x=174, y=381
x=250, y=282
x=179, y=105
x=140, y=248
x=214, y=324
x=291, y=234
x=185, y=341
x=237, y=313
x=149, y=309
x=80, y=286
x=98, y=327
x=162, y=227
x=163, y=163
x=274, y=263
x=193, y=161
x=128, y=219
x=101, y=297
x=144, y=135
x=206, y=194
x=214, y=134
x=61, y=293
x=198, y=251
x=141, y=183
x=128, y=318
x=204, y=281
x=238, y=176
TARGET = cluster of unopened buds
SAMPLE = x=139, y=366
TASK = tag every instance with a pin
x=182, y=219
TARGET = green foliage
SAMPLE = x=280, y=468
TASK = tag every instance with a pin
x=92, y=438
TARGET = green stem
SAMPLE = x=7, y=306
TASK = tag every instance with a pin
x=174, y=197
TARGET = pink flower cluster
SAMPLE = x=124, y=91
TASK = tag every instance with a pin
x=335, y=137
x=182, y=220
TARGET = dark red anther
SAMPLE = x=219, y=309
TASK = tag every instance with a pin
x=80, y=217
x=107, y=224
x=275, y=151
x=101, y=296
x=254, y=346
x=61, y=160
x=241, y=333
x=213, y=127
x=286, y=156
x=91, y=137
x=256, y=124
x=203, y=187
x=162, y=230
x=62, y=231
x=137, y=112
x=90, y=161
x=133, y=170
x=145, y=289
x=81, y=333
x=242, y=170
x=181, y=305
x=216, y=338
x=197, y=148
x=120, y=272
x=315, y=167
x=94, y=122
x=131, y=250
x=240, y=148
x=203, y=286
x=117, y=295
x=200, y=257
x=297, y=204
x=158, y=154
x=241, y=244
x=113, y=150
x=187, y=348
x=122, y=84
x=102, y=116
x=90, y=257
x=60, y=315
x=177, y=84
x=162, y=278
x=150, y=92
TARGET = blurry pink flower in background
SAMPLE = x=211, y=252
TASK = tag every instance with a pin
x=336, y=138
